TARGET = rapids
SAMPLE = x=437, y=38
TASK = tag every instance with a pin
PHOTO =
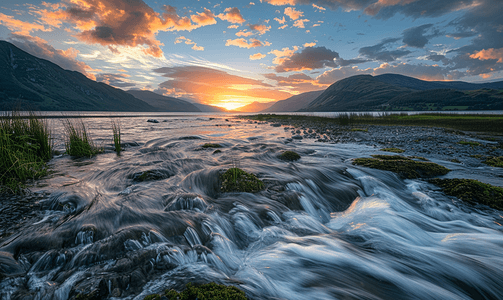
x=322, y=228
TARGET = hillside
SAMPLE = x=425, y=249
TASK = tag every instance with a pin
x=397, y=92
x=33, y=83
x=164, y=103
x=417, y=84
x=294, y=103
x=253, y=107
x=209, y=108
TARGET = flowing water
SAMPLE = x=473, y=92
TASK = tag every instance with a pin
x=322, y=228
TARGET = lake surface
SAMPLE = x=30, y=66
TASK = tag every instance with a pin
x=323, y=228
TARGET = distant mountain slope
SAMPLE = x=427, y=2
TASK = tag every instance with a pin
x=163, y=103
x=254, y=107
x=34, y=83
x=368, y=93
x=294, y=103
x=209, y=108
x=361, y=92
x=417, y=84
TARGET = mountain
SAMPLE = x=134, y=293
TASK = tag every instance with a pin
x=360, y=92
x=294, y=103
x=30, y=82
x=164, y=103
x=209, y=108
x=398, y=92
x=417, y=84
x=253, y=107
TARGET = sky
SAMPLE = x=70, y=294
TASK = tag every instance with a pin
x=231, y=53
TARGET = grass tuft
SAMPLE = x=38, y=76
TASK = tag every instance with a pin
x=469, y=143
x=209, y=291
x=395, y=150
x=289, y=156
x=25, y=146
x=116, y=129
x=494, y=161
x=78, y=143
x=237, y=180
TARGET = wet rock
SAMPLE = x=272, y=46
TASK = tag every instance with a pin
x=152, y=121
x=152, y=175
x=297, y=137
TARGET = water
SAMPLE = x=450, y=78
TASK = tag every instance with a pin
x=323, y=228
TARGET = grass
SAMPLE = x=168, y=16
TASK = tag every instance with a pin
x=360, y=129
x=403, y=166
x=25, y=146
x=210, y=145
x=209, y=291
x=472, y=191
x=469, y=143
x=494, y=161
x=468, y=122
x=395, y=150
x=237, y=180
x=116, y=130
x=78, y=143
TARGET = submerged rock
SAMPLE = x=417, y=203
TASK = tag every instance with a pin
x=152, y=121
x=151, y=175
x=403, y=166
x=289, y=156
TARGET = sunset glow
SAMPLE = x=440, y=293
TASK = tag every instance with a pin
x=233, y=53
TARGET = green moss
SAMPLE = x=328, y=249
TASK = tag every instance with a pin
x=396, y=150
x=289, y=156
x=403, y=166
x=477, y=156
x=360, y=129
x=494, y=161
x=472, y=191
x=209, y=291
x=455, y=160
x=469, y=143
x=417, y=157
x=237, y=180
x=210, y=145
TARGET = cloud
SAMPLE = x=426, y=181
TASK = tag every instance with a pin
x=414, y=37
x=133, y=23
x=182, y=39
x=298, y=82
x=260, y=28
x=280, y=21
x=242, y=43
x=300, y=23
x=233, y=15
x=309, y=44
x=318, y=7
x=495, y=54
x=283, y=54
x=283, y=27
x=379, y=52
x=213, y=86
x=292, y=13
x=244, y=33
x=116, y=80
x=20, y=27
x=308, y=59
x=66, y=59
x=280, y=2
x=257, y=56
x=233, y=26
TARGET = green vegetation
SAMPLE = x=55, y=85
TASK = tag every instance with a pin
x=78, y=143
x=25, y=146
x=237, y=180
x=418, y=157
x=209, y=291
x=403, y=166
x=395, y=150
x=360, y=129
x=210, y=145
x=116, y=130
x=494, y=161
x=455, y=160
x=289, y=156
x=469, y=143
x=470, y=122
x=472, y=191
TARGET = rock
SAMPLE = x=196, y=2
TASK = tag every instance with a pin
x=152, y=121
x=297, y=137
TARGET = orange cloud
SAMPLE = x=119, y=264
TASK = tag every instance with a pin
x=182, y=39
x=205, y=18
x=257, y=56
x=233, y=15
x=318, y=7
x=298, y=82
x=490, y=53
x=233, y=26
x=283, y=27
x=280, y=21
x=374, y=8
x=280, y=2
x=260, y=28
x=282, y=54
x=309, y=44
x=19, y=26
x=242, y=43
x=292, y=13
x=300, y=23
x=244, y=33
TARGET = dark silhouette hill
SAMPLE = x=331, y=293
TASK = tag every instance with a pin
x=294, y=103
x=253, y=107
x=164, y=103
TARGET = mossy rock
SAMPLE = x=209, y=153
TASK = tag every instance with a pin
x=494, y=161
x=472, y=191
x=455, y=160
x=418, y=157
x=237, y=180
x=289, y=156
x=210, y=145
x=217, y=151
x=403, y=166
x=209, y=291
x=469, y=143
x=395, y=150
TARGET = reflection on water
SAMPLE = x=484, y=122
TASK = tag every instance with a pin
x=322, y=229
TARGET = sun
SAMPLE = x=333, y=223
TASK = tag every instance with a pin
x=231, y=104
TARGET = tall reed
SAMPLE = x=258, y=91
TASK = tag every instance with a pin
x=116, y=129
x=25, y=146
x=78, y=143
